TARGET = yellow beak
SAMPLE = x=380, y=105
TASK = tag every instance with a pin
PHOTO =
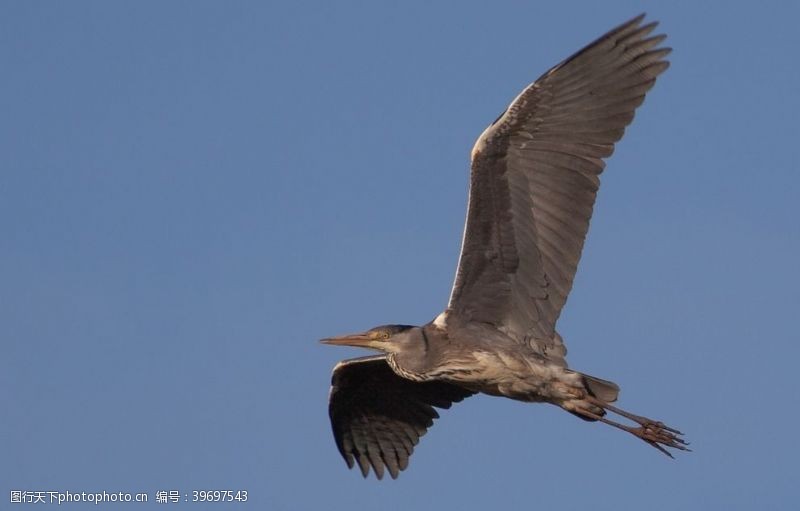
x=361, y=340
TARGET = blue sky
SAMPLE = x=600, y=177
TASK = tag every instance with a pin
x=193, y=193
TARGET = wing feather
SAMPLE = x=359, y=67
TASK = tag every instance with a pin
x=534, y=181
x=378, y=417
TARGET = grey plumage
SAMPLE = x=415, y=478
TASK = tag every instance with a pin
x=534, y=179
x=537, y=168
x=378, y=416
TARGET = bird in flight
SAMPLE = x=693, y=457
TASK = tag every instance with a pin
x=534, y=176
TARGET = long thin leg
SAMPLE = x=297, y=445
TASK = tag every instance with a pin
x=644, y=421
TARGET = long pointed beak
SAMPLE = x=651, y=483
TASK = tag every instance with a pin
x=361, y=340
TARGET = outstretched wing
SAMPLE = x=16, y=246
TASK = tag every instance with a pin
x=378, y=417
x=535, y=176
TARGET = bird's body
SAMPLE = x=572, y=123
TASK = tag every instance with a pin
x=535, y=174
x=486, y=361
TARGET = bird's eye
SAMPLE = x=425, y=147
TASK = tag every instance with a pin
x=385, y=335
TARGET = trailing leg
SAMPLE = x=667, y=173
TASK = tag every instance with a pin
x=655, y=433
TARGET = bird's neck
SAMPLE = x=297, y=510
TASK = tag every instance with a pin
x=404, y=371
x=412, y=360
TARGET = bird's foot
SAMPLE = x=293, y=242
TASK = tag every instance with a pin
x=655, y=433
x=659, y=436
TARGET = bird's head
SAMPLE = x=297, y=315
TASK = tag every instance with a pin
x=386, y=338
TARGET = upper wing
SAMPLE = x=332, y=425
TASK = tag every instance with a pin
x=378, y=417
x=534, y=179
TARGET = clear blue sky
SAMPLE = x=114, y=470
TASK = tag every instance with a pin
x=193, y=193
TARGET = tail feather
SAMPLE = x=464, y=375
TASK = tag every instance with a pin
x=603, y=390
x=599, y=390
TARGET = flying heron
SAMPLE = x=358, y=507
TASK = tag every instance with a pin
x=534, y=176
